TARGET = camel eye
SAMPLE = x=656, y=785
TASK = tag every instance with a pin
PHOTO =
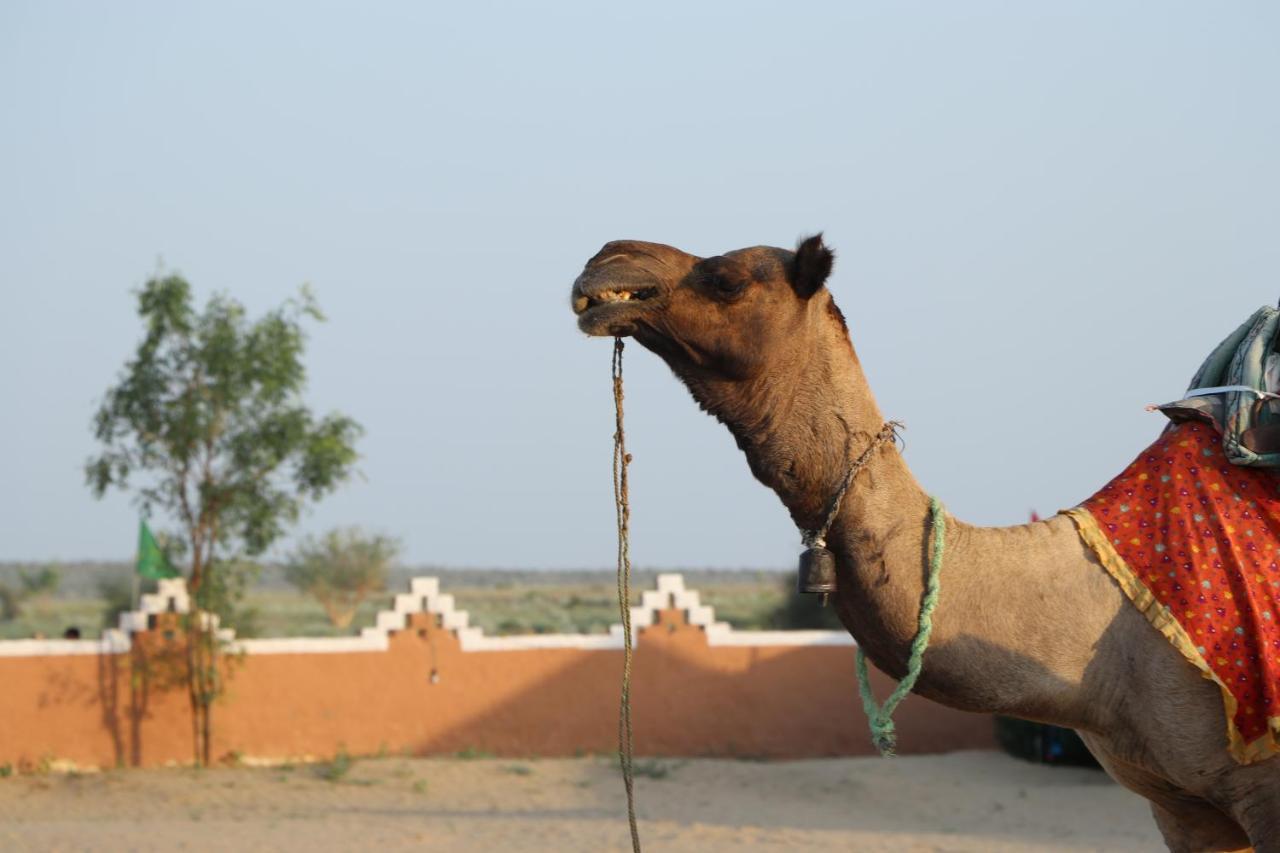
x=729, y=286
x=724, y=278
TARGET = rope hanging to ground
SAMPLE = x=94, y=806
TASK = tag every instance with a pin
x=623, y=505
x=880, y=717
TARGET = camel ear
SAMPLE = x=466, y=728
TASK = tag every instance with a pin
x=812, y=265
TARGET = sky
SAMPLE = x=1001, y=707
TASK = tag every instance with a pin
x=1045, y=216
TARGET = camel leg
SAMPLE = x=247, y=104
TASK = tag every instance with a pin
x=1188, y=823
x=1258, y=811
x=1198, y=828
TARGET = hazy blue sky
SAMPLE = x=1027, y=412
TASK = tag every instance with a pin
x=1045, y=214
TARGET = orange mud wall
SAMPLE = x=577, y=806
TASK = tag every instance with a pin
x=690, y=699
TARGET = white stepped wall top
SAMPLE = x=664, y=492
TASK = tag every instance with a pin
x=424, y=596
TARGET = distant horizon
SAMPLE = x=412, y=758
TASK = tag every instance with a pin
x=401, y=567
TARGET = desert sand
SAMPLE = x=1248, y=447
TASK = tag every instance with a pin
x=969, y=801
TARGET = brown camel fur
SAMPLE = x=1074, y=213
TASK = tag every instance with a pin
x=1028, y=625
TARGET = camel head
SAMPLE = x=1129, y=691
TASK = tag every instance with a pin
x=713, y=320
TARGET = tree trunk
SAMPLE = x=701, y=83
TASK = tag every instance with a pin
x=340, y=613
x=194, y=666
x=210, y=687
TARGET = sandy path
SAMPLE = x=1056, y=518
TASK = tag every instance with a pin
x=976, y=801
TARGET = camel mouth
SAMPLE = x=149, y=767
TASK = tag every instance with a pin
x=584, y=302
x=611, y=310
x=621, y=286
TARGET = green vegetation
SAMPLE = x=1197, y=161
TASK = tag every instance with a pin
x=39, y=584
x=470, y=753
x=206, y=426
x=500, y=602
x=341, y=569
x=590, y=608
x=116, y=594
x=654, y=768
x=35, y=587
x=336, y=769
x=802, y=611
x=55, y=618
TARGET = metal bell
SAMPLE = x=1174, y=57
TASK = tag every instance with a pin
x=817, y=571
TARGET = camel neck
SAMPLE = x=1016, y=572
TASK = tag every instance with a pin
x=800, y=427
x=800, y=443
x=804, y=435
x=800, y=433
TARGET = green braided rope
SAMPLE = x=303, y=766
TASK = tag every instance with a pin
x=880, y=717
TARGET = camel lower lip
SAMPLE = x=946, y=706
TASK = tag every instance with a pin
x=609, y=318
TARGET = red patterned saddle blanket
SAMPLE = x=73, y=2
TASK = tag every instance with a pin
x=1194, y=542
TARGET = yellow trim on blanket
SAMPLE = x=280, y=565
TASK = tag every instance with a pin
x=1159, y=616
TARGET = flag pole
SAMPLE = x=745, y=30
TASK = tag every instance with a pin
x=137, y=557
x=137, y=561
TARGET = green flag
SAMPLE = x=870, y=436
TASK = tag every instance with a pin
x=152, y=563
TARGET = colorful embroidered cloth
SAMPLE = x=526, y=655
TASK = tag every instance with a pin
x=1194, y=541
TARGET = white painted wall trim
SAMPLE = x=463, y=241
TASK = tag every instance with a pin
x=58, y=648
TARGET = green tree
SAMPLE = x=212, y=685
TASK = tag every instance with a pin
x=341, y=569
x=40, y=584
x=207, y=426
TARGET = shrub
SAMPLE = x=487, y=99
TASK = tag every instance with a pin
x=341, y=569
x=41, y=584
x=37, y=587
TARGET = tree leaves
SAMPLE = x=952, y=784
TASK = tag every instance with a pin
x=207, y=423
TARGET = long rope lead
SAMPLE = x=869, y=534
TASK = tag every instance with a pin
x=622, y=503
x=880, y=717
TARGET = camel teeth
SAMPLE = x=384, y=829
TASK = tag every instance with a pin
x=615, y=296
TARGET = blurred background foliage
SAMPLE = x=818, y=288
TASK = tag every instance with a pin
x=91, y=595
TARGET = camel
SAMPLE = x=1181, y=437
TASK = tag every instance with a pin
x=1029, y=624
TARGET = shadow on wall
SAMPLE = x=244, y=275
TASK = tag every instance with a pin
x=691, y=699
x=157, y=662
x=121, y=693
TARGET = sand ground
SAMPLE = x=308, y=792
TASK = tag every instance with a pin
x=975, y=801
